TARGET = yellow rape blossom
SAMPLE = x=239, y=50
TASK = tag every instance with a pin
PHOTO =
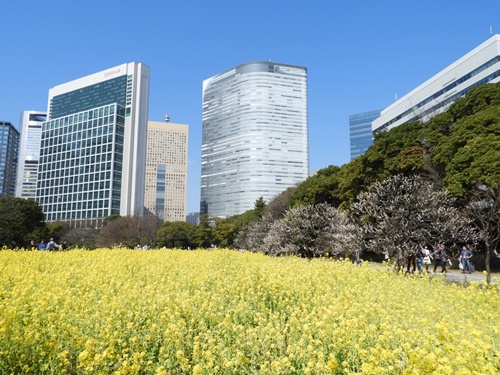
x=224, y=312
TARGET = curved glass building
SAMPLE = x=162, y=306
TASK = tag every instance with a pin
x=254, y=135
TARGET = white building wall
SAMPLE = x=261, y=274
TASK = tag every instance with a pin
x=134, y=155
x=30, y=125
x=483, y=65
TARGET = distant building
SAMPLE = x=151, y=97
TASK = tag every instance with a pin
x=166, y=170
x=254, y=135
x=9, y=149
x=480, y=66
x=93, y=147
x=193, y=218
x=29, y=153
x=360, y=129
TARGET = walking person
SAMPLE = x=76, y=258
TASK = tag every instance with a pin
x=465, y=256
x=420, y=258
x=64, y=246
x=41, y=246
x=427, y=258
x=411, y=259
x=52, y=245
x=440, y=257
x=437, y=257
x=444, y=258
x=355, y=257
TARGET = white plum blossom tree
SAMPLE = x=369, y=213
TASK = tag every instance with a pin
x=311, y=231
x=401, y=211
x=484, y=209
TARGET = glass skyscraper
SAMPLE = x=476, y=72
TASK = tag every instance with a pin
x=9, y=149
x=93, y=147
x=360, y=130
x=29, y=153
x=254, y=135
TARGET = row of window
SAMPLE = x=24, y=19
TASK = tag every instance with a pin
x=446, y=89
x=96, y=190
x=90, y=173
x=76, y=158
x=83, y=133
x=78, y=179
x=90, y=186
x=103, y=194
x=59, y=123
x=80, y=214
x=76, y=206
x=86, y=98
x=86, y=143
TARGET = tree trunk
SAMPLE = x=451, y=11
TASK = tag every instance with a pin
x=487, y=261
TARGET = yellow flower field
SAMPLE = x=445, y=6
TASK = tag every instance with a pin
x=225, y=312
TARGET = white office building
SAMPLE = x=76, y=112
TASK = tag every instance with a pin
x=30, y=125
x=93, y=147
x=479, y=66
x=254, y=135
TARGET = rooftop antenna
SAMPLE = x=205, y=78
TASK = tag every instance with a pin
x=167, y=118
x=395, y=96
x=491, y=31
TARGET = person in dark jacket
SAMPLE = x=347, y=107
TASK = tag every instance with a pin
x=465, y=256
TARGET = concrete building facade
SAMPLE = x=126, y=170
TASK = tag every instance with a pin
x=166, y=170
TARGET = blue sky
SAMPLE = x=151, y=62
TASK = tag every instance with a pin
x=359, y=54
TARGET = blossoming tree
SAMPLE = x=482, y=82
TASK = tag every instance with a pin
x=401, y=211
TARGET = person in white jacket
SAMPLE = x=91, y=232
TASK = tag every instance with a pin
x=426, y=257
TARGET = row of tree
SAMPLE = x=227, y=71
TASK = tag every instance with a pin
x=395, y=216
x=418, y=183
x=22, y=221
x=453, y=161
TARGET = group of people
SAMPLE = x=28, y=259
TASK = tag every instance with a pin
x=423, y=256
x=49, y=246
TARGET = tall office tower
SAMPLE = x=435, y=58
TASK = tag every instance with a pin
x=93, y=147
x=360, y=129
x=29, y=153
x=9, y=149
x=193, y=217
x=166, y=170
x=254, y=135
x=479, y=66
